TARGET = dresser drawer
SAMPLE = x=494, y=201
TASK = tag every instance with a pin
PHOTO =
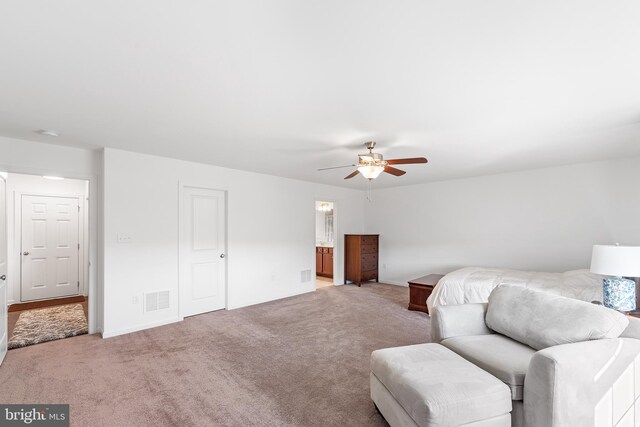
x=369, y=257
x=369, y=249
x=369, y=240
x=369, y=265
x=369, y=275
x=369, y=261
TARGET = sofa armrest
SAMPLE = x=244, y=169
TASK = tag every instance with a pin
x=588, y=383
x=458, y=320
x=633, y=329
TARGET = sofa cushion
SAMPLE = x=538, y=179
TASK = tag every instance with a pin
x=435, y=386
x=501, y=356
x=541, y=320
x=633, y=329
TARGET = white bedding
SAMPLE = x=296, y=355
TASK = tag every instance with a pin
x=474, y=284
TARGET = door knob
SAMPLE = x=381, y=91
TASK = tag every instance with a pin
x=3, y=277
x=25, y=253
x=221, y=255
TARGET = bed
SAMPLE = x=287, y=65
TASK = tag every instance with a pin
x=474, y=284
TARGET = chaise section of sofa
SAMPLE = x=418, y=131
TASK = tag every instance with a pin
x=525, y=358
x=566, y=362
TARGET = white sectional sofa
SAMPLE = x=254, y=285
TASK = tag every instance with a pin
x=526, y=358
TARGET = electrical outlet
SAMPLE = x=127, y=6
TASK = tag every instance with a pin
x=134, y=300
x=384, y=266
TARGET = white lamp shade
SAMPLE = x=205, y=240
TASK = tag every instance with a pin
x=370, y=172
x=609, y=260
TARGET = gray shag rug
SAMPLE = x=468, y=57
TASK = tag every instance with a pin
x=48, y=324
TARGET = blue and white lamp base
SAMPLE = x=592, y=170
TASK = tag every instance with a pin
x=619, y=293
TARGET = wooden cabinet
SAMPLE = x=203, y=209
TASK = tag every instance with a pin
x=420, y=289
x=327, y=263
x=319, y=261
x=360, y=258
x=324, y=262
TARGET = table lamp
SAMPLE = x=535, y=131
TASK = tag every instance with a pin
x=621, y=262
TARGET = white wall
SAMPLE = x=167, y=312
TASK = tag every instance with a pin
x=18, y=184
x=36, y=158
x=546, y=219
x=271, y=233
x=542, y=219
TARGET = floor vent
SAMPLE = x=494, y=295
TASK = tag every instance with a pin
x=154, y=301
x=305, y=276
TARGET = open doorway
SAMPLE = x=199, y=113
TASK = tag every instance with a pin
x=48, y=258
x=325, y=238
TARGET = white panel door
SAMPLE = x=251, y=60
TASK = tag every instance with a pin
x=50, y=247
x=3, y=270
x=202, y=251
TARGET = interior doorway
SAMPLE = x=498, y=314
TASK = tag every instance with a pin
x=48, y=258
x=50, y=247
x=325, y=243
x=202, y=250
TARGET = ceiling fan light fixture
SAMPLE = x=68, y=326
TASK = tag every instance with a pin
x=325, y=207
x=370, y=171
x=370, y=157
x=371, y=165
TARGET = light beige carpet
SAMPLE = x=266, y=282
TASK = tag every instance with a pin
x=48, y=324
x=301, y=361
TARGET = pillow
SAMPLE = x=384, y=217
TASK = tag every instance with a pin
x=540, y=319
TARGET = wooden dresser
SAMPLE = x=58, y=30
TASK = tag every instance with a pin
x=360, y=258
x=324, y=261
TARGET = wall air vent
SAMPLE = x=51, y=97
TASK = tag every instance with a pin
x=163, y=300
x=154, y=301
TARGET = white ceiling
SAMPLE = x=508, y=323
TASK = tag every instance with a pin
x=286, y=87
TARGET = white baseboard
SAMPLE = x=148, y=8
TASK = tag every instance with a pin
x=391, y=282
x=382, y=282
x=109, y=334
x=279, y=297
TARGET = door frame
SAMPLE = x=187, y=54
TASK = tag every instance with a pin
x=83, y=237
x=4, y=318
x=94, y=224
x=181, y=214
x=336, y=242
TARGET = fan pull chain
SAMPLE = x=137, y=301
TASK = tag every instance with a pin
x=369, y=191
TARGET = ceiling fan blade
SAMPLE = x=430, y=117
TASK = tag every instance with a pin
x=336, y=167
x=393, y=171
x=407, y=161
x=352, y=174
